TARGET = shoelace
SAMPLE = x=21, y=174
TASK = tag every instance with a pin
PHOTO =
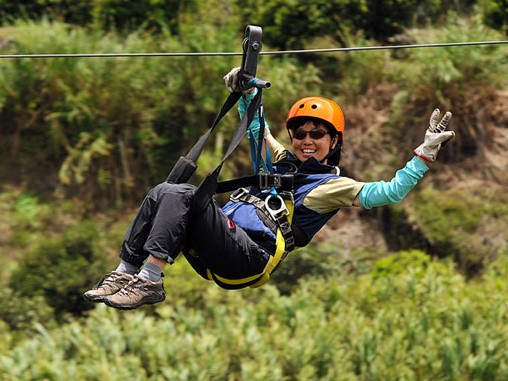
x=129, y=286
x=108, y=279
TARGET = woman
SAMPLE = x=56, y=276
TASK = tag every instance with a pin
x=239, y=245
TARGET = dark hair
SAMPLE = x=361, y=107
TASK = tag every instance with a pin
x=334, y=155
x=299, y=121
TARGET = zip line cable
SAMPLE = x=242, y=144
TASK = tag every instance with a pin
x=387, y=47
x=281, y=52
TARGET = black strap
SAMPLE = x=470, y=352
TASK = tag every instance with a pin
x=280, y=221
x=186, y=166
x=208, y=186
x=261, y=180
x=287, y=232
x=243, y=195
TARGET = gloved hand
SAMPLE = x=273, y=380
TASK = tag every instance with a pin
x=231, y=82
x=435, y=136
x=255, y=126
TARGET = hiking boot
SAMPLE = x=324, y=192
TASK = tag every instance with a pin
x=110, y=284
x=137, y=292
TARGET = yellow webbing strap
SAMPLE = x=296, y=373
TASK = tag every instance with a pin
x=273, y=261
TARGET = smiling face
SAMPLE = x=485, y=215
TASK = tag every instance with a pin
x=307, y=144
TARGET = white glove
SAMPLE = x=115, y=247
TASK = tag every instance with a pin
x=435, y=136
x=231, y=82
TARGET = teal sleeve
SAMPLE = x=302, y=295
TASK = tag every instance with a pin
x=243, y=104
x=381, y=193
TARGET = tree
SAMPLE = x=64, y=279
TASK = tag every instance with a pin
x=496, y=14
x=290, y=25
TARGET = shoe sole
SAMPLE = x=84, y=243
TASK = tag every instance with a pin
x=95, y=299
x=132, y=306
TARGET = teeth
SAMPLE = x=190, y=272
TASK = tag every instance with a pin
x=308, y=151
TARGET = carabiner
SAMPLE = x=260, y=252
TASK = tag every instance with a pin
x=276, y=206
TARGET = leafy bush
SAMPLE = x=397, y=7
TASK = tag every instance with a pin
x=496, y=13
x=61, y=269
x=109, y=14
x=112, y=127
x=452, y=78
x=404, y=262
x=468, y=225
x=128, y=15
x=293, y=25
x=423, y=325
x=305, y=263
x=77, y=12
x=22, y=314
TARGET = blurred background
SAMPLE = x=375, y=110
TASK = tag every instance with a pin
x=414, y=291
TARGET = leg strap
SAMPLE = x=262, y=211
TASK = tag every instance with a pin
x=274, y=260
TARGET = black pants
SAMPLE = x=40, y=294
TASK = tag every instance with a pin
x=164, y=226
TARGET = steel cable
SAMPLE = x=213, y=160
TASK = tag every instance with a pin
x=281, y=52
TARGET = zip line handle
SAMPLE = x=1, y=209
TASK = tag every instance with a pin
x=251, y=48
x=249, y=82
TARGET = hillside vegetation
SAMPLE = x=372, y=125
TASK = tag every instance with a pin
x=414, y=291
x=412, y=323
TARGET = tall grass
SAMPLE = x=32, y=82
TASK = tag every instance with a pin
x=421, y=324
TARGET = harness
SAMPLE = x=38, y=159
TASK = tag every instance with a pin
x=281, y=215
x=277, y=207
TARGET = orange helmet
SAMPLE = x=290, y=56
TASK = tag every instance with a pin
x=317, y=107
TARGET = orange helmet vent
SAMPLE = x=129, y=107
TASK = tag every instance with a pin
x=321, y=108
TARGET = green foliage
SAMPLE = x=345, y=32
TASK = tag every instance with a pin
x=292, y=25
x=24, y=216
x=306, y=263
x=109, y=14
x=421, y=324
x=360, y=71
x=27, y=210
x=130, y=15
x=106, y=129
x=453, y=65
x=111, y=127
x=76, y=12
x=189, y=288
x=103, y=120
x=414, y=261
x=469, y=226
x=61, y=269
x=28, y=214
x=22, y=316
x=307, y=19
x=114, y=126
x=456, y=78
x=496, y=13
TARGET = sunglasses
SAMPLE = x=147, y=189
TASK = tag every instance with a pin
x=314, y=134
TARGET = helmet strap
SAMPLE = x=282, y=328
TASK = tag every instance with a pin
x=289, y=133
x=332, y=151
